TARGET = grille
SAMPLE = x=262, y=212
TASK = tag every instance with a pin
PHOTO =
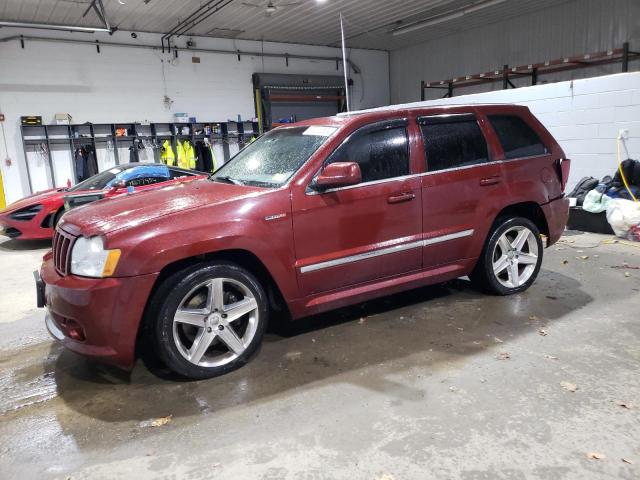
x=62, y=244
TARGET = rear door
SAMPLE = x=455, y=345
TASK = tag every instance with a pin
x=372, y=230
x=461, y=189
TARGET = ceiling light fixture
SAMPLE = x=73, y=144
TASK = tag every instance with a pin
x=435, y=20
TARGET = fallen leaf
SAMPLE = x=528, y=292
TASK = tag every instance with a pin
x=623, y=404
x=596, y=456
x=156, y=422
x=497, y=340
x=564, y=262
x=385, y=476
x=551, y=357
x=533, y=318
x=627, y=461
x=504, y=356
x=542, y=332
x=361, y=321
x=571, y=387
x=583, y=257
x=551, y=297
x=627, y=274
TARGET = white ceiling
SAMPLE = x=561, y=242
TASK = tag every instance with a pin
x=368, y=22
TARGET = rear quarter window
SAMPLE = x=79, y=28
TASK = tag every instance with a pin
x=518, y=139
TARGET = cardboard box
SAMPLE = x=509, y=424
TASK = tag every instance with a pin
x=62, y=119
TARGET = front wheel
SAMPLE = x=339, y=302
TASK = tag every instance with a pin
x=511, y=258
x=208, y=319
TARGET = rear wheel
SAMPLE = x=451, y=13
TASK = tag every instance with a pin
x=511, y=258
x=209, y=319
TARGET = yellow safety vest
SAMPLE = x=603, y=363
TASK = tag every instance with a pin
x=167, y=156
x=186, y=155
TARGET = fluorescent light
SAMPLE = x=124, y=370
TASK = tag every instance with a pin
x=445, y=17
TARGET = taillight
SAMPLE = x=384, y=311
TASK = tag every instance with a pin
x=564, y=166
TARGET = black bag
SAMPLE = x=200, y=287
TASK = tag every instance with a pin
x=631, y=169
x=584, y=186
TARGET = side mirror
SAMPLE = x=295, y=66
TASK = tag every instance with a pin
x=338, y=174
x=119, y=184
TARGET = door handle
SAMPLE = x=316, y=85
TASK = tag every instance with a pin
x=401, y=197
x=484, y=182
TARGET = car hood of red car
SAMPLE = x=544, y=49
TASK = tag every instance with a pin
x=35, y=199
x=139, y=208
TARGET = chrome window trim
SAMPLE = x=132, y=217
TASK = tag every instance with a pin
x=422, y=174
x=386, y=251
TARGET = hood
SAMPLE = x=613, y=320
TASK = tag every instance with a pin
x=34, y=199
x=111, y=214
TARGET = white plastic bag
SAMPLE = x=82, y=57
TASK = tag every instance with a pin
x=622, y=215
x=595, y=202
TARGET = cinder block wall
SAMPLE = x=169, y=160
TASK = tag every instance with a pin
x=585, y=117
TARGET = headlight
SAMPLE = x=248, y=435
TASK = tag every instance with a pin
x=90, y=259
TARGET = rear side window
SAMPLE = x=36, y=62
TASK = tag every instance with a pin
x=517, y=138
x=380, y=152
x=452, y=143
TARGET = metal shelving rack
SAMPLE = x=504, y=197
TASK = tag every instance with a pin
x=618, y=55
x=70, y=137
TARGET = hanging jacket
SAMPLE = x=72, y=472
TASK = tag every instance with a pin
x=92, y=162
x=186, y=155
x=78, y=159
x=166, y=155
x=85, y=162
x=205, y=161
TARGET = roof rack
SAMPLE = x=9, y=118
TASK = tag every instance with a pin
x=506, y=73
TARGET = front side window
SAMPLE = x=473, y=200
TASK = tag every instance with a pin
x=453, y=142
x=273, y=158
x=381, y=153
x=517, y=138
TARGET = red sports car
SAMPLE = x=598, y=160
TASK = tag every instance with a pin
x=35, y=216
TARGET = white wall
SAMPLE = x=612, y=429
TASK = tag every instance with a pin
x=567, y=28
x=584, y=116
x=128, y=85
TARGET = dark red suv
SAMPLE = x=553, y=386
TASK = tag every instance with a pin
x=314, y=216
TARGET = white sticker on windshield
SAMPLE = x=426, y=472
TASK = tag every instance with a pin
x=115, y=171
x=319, y=131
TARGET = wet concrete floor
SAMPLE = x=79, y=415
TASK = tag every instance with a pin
x=440, y=382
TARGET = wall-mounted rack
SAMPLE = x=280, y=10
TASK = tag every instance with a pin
x=97, y=135
x=618, y=55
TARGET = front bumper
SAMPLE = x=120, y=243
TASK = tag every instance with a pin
x=557, y=214
x=107, y=311
x=25, y=229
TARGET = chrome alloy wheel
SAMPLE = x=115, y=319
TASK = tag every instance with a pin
x=215, y=322
x=515, y=257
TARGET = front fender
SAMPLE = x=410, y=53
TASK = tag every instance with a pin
x=152, y=249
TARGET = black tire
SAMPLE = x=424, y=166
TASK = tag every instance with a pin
x=168, y=298
x=483, y=276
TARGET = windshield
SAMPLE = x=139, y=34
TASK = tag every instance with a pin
x=97, y=182
x=272, y=159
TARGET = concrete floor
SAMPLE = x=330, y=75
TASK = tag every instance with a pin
x=441, y=382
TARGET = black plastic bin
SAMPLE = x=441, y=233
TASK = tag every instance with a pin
x=584, y=221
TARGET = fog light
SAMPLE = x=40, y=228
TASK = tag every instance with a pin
x=72, y=329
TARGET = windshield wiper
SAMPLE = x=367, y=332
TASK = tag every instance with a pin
x=227, y=179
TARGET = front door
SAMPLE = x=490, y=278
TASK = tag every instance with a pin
x=351, y=235
x=461, y=188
